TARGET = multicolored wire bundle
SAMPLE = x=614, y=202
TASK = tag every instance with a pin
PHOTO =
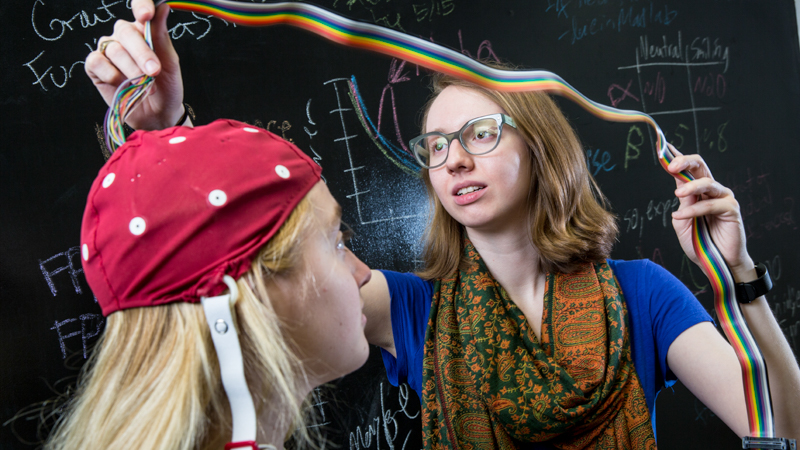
x=126, y=99
x=435, y=57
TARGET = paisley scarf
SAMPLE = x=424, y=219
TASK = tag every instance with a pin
x=489, y=383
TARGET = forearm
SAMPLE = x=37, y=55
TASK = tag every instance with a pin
x=782, y=367
x=377, y=309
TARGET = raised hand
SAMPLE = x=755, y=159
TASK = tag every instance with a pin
x=125, y=54
x=704, y=196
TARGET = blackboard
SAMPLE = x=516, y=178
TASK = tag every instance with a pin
x=720, y=77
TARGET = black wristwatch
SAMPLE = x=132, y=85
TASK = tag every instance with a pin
x=747, y=292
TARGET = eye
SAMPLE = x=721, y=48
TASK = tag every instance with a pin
x=344, y=237
x=437, y=144
x=484, y=132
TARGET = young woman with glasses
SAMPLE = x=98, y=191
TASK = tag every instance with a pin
x=519, y=331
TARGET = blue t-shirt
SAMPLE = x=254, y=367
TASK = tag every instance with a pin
x=660, y=308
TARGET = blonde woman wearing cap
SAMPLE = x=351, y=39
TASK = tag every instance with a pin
x=519, y=218
x=217, y=256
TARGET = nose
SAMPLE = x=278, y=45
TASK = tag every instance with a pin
x=360, y=271
x=458, y=158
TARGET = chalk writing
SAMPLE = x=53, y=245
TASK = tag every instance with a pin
x=786, y=303
x=386, y=425
x=273, y=127
x=317, y=158
x=617, y=20
x=704, y=49
x=663, y=50
x=100, y=134
x=623, y=93
x=655, y=210
x=484, y=45
x=59, y=81
x=395, y=76
x=761, y=211
x=712, y=138
x=559, y=7
x=433, y=8
x=702, y=412
x=657, y=258
x=198, y=28
x=711, y=85
x=381, y=13
x=283, y=127
x=48, y=75
x=634, y=144
x=319, y=405
x=701, y=49
x=61, y=26
x=596, y=165
x=62, y=262
x=782, y=218
x=656, y=89
x=774, y=267
x=90, y=326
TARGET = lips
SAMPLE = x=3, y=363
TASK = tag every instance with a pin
x=469, y=192
x=467, y=187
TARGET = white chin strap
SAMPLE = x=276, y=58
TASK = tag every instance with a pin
x=231, y=365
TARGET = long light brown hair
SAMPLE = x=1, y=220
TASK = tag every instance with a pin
x=567, y=215
x=154, y=380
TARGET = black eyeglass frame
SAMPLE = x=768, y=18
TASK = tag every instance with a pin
x=500, y=118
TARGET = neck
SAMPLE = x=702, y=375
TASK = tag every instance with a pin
x=514, y=263
x=273, y=429
x=510, y=256
x=274, y=426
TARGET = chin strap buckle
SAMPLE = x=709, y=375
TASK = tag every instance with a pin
x=765, y=443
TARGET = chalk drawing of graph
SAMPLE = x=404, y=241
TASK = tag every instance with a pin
x=380, y=203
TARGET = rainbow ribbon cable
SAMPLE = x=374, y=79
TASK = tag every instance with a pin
x=127, y=97
x=435, y=57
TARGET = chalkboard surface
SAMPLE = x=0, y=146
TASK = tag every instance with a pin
x=720, y=77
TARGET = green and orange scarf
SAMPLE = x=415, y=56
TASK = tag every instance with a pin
x=489, y=384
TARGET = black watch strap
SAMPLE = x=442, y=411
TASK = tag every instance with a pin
x=747, y=292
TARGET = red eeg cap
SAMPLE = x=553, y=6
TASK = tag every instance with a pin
x=173, y=211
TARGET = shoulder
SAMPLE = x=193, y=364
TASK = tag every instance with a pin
x=634, y=266
x=406, y=284
x=642, y=272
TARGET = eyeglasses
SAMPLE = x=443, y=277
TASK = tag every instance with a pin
x=479, y=136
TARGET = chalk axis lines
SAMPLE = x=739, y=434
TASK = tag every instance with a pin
x=340, y=111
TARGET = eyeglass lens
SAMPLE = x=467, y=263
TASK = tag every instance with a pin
x=479, y=137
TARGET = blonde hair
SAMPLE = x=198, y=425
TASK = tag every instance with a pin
x=568, y=221
x=154, y=379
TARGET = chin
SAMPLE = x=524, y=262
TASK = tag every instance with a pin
x=355, y=360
